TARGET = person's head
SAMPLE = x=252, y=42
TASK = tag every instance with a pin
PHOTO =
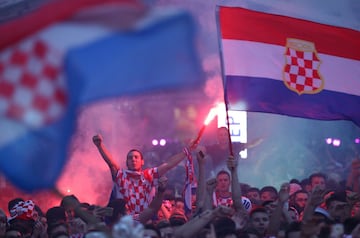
x=134, y=160
x=55, y=215
x=225, y=227
x=305, y=184
x=300, y=199
x=268, y=193
x=338, y=207
x=270, y=206
x=253, y=194
x=57, y=230
x=223, y=181
x=318, y=179
x=223, y=135
x=259, y=220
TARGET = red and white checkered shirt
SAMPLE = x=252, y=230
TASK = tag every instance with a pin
x=223, y=201
x=136, y=188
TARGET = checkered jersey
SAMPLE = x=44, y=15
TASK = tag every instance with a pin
x=32, y=88
x=136, y=188
x=221, y=201
x=227, y=201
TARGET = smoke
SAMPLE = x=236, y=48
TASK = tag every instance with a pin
x=292, y=147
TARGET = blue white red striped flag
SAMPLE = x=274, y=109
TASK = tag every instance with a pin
x=295, y=67
x=190, y=181
x=84, y=51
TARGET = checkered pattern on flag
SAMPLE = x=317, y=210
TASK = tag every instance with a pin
x=52, y=65
x=32, y=88
x=297, y=67
x=301, y=72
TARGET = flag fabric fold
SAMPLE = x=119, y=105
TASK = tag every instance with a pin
x=80, y=55
x=289, y=66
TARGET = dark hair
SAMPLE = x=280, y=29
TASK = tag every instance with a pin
x=224, y=226
x=269, y=189
x=258, y=209
x=132, y=150
x=253, y=189
x=223, y=172
x=315, y=175
x=55, y=215
x=337, y=196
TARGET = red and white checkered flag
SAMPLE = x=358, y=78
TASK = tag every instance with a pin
x=32, y=88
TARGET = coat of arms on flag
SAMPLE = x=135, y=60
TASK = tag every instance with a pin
x=301, y=71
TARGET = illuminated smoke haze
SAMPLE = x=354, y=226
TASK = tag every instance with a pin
x=292, y=147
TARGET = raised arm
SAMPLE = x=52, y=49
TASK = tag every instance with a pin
x=105, y=154
x=192, y=227
x=170, y=163
x=354, y=175
x=201, y=185
x=235, y=185
x=275, y=218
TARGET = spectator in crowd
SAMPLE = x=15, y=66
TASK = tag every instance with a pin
x=134, y=184
x=298, y=200
x=268, y=193
x=317, y=179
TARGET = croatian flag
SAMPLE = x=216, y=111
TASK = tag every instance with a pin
x=278, y=64
x=70, y=53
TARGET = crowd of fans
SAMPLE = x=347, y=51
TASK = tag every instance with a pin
x=221, y=207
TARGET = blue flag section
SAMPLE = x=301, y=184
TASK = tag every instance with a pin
x=54, y=69
x=160, y=56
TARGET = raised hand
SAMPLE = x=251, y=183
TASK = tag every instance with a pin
x=97, y=139
x=284, y=192
x=317, y=196
x=211, y=185
x=231, y=163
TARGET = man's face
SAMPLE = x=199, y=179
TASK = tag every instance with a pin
x=318, y=181
x=223, y=183
x=260, y=221
x=267, y=196
x=301, y=199
x=253, y=196
x=223, y=136
x=134, y=161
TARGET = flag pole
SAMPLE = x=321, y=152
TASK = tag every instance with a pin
x=224, y=80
